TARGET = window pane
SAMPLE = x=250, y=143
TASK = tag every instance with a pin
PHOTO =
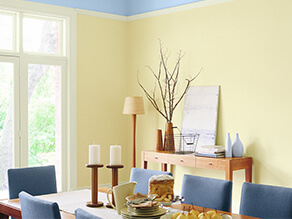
x=6, y=121
x=6, y=36
x=44, y=116
x=41, y=36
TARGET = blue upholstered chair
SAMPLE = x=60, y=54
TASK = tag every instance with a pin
x=81, y=214
x=266, y=201
x=141, y=176
x=33, y=180
x=34, y=208
x=207, y=192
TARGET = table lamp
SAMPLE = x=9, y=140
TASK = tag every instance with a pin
x=134, y=106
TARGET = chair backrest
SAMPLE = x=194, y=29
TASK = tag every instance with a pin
x=207, y=192
x=33, y=180
x=81, y=214
x=34, y=208
x=141, y=176
x=266, y=201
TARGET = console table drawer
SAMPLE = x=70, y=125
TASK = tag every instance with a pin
x=228, y=164
x=156, y=157
x=182, y=160
x=210, y=163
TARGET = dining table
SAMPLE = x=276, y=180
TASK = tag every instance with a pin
x=69, y=201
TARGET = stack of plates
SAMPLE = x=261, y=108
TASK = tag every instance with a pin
x=143, y=210
x=153, y=212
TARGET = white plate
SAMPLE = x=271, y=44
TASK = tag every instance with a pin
x=160, y=212
x=166, y=203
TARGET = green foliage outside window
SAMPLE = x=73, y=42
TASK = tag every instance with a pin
x=42, y=122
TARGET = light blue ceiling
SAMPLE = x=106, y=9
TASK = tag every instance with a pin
x=118, y=7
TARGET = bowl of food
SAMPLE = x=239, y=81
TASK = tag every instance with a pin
x=194, y=214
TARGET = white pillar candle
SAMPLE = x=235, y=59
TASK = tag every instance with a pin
x=94, y=154
x=115, y=155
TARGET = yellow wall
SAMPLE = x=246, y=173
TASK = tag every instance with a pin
x=101, y=88
x=245, y=46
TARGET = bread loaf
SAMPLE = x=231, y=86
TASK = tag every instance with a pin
x=162, y=185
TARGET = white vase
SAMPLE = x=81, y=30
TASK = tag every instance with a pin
x=228, y=146
x=237, y=147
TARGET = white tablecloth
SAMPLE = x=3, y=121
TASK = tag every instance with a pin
x=70, y=201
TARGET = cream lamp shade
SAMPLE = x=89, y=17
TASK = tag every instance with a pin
x=133, y=105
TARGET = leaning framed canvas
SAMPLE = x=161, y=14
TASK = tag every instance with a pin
x=200, y=113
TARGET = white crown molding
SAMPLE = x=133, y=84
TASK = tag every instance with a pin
x=33, y=6
x=176, y=9
x=152, y=13
x=102, y=15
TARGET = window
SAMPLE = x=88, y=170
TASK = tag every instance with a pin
x=44, y=114
x=36, y=54
x=9, y=69
x=42, y=35
x=7, y=36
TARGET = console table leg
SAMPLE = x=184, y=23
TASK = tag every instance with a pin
x=248, y=175
x=144, y=164
x=163, y=167
x=229, y=171
x=3, y=216
x=229, y=175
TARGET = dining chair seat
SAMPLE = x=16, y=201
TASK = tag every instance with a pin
x=33, y=180
x=207, y=192
x=82, y=214
x=266, y=201
x=141, y=176
x=35, y=208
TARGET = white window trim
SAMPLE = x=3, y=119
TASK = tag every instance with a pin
x=71, y=20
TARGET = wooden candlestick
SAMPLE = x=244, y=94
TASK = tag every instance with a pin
x=115, y=180
x=94, y=185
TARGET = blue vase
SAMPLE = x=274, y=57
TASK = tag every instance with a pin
x=228, y=146
x=237, y=147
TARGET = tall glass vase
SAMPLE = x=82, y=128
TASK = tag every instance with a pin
x=228, y=146
x=169, y=138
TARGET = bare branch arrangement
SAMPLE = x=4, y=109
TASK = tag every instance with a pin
x=166, y=82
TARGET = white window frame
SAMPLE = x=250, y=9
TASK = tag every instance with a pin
x=69, y=152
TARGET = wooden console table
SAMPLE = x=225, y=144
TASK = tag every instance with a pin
x=226, y=164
